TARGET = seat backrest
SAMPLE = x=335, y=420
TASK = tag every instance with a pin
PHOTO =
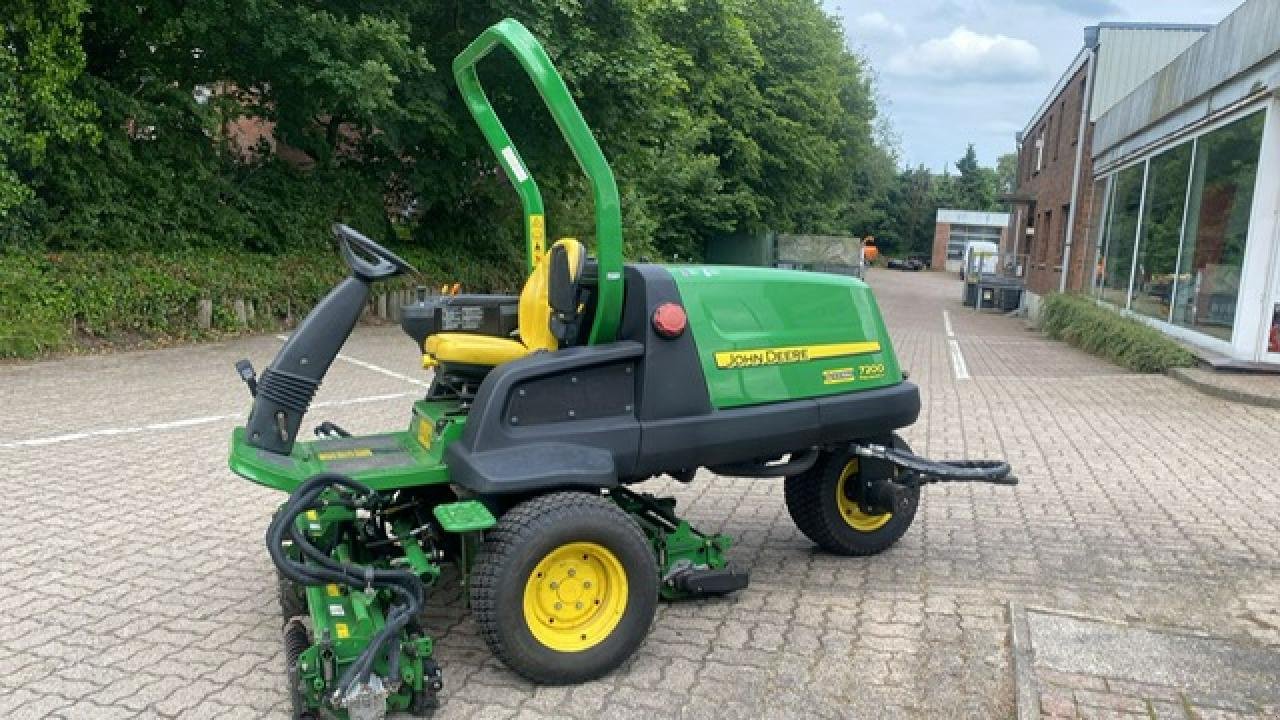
x=535, y=306
x=564, y=291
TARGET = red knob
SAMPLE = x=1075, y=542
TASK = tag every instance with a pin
x=669, y=320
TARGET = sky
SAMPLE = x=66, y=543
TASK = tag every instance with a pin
x=951, y=72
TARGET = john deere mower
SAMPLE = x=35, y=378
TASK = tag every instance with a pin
x=519, y=465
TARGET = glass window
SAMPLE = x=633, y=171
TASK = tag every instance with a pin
x=1208, y=283
x=1122, y=227
x=1097, y=226
x=1161, y=230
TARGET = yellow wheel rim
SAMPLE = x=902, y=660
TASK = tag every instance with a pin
x=575, y=597
x=849, y=510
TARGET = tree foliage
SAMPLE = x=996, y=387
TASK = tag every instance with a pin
x=121, y=123
x=40, y=61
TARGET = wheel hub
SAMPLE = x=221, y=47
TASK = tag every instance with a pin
x=849, y=509
x=575, y=596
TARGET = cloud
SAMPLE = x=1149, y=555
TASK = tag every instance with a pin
x=1095, y=9
x=967, y=56
x=874, y=25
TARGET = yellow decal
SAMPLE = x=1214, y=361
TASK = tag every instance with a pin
x=538, y=234
x=424, y=434
x=343, y=631
x=333, y=590
x=873, y=371
x=733, y=359
x=837, y=376
x=345, y=454
x=312, y=515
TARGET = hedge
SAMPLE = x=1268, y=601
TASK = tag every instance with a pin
x=73, y=301
x=1081, y=322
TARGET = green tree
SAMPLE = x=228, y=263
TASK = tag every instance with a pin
x=1007, y=173
x=976, y=186
x=40, y=61
x=719, y=116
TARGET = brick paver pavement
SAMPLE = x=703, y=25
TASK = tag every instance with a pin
x=136, y=583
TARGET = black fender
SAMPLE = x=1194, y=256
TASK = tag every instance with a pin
x=552, y=420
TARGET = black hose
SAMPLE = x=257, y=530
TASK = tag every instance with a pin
x=410, y=595
x=930, y=471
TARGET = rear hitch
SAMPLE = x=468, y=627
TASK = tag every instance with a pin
x=922, y=471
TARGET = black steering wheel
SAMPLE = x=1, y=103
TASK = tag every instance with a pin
x=389, y=264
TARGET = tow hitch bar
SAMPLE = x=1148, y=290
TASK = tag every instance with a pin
x=889, y=494
x=922, y=471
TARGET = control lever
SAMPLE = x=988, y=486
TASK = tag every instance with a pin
x=245, y=370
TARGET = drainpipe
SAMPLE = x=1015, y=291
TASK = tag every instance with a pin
x=1091, y=38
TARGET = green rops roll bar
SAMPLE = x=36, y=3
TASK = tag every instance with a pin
x=528, y=51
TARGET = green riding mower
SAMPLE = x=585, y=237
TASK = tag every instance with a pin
x=518, y=465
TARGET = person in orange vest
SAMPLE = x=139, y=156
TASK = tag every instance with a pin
x=869, y=251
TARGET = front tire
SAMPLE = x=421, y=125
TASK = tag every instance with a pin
x=565, y=588
x=821, y=502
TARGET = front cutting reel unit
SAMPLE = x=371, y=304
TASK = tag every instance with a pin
x=516, y=473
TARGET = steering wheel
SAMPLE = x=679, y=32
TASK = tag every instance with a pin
x=388, y=266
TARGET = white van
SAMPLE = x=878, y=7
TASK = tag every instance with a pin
x=980, y=256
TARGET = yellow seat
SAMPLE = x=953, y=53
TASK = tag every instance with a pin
x=473, y=349
x=534, y=323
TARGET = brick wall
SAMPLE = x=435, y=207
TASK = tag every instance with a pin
x=941, y=231
x=1049, y=190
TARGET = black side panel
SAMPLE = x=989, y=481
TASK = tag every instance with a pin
x=497, y=455
x=588, y=394
x=535, y=466
x=868, y=413
x=290, y=382
x=726, y=436
x=671, y=381
x=767, y=431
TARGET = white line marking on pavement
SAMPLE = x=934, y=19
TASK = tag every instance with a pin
x=375, y=368
x=180, y=424
x=958, y=365
x=957, y=361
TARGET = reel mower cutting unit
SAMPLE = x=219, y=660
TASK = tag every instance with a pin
x=518, y=465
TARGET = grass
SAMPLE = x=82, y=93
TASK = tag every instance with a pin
x=1082, y=323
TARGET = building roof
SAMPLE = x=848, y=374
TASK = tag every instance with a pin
x=1236, y=61
x=970, y=217
x=1137, y=57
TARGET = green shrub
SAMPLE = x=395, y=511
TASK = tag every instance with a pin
x=1079, y=321
x=53, y=302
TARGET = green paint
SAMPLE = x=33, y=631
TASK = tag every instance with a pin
x=675, y=542
x=743, y=308
x=344, y=620
x=529, y=53
x=464, y=516
x=443, y=423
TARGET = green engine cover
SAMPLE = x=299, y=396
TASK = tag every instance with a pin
x=767, y=335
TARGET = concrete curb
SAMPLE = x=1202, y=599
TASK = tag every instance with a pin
x=1026, y=691
x=1225, y=393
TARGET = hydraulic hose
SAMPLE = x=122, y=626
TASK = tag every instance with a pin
x=930, y=471
x=321, y=569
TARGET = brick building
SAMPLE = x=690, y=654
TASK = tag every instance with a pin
x=953, y=229
x=1052, y=205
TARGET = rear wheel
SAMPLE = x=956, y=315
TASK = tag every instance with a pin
x=565, y=589
x=823, y=503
